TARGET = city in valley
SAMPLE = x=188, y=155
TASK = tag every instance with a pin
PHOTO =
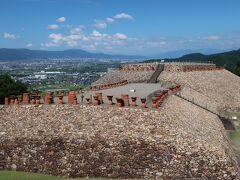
x=57, y=74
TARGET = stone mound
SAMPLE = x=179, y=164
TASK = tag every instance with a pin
x=179, y=141
x=221, y=86
x=117, y=76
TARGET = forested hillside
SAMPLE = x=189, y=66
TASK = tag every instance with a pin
x=230, y=60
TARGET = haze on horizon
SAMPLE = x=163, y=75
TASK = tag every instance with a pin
x=143, y=27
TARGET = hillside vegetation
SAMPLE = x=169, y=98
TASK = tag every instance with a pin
x=230, y=60
x=9, y=86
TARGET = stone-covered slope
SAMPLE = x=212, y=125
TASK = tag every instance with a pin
x=118, y=76
x=180, y=141
x=221, y=86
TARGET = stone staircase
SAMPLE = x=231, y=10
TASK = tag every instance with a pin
x=154, y=77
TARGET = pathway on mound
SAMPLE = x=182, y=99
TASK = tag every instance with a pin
x=154, y=77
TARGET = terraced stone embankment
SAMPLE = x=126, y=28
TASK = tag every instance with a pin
x=179, y=141
x=219, y=86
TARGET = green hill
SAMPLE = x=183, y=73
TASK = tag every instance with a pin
x=230, y=60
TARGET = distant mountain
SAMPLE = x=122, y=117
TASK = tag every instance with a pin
x=227, y=59
x=26, y=54
x=179, y=53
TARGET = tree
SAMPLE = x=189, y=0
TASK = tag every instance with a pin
x=8, y=87
x=237, y=69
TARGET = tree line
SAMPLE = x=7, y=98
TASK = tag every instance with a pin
x=9, y=86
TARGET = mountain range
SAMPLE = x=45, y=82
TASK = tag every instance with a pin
x=228, y=59
x=27, y=54
x=182, y=52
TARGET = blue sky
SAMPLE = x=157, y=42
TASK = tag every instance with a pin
x=120, y=26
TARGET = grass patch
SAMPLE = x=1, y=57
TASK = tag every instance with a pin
x=18, y=175
x=235, y=135
x=231, y=114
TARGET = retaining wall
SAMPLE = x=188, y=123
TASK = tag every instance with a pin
x=187, y=68
x=107, y=86
x=180, y=141
x=139, y=67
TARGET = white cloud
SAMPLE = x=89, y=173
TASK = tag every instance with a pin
x=55, y=38
x=53, y=26
x=29, y=45
x=76, y=35
x=96, y=34
x=9, y=36
x=120, y=36
x=49, y=45
x=109, y=20
x=123, y=16
x=156, y=44
x=212, y=38
x=74, y=39
x=95, y=40
x=61, y=19
x=100, y=25
x=77, y=30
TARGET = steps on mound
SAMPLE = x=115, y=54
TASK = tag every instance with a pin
x=155, y=75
